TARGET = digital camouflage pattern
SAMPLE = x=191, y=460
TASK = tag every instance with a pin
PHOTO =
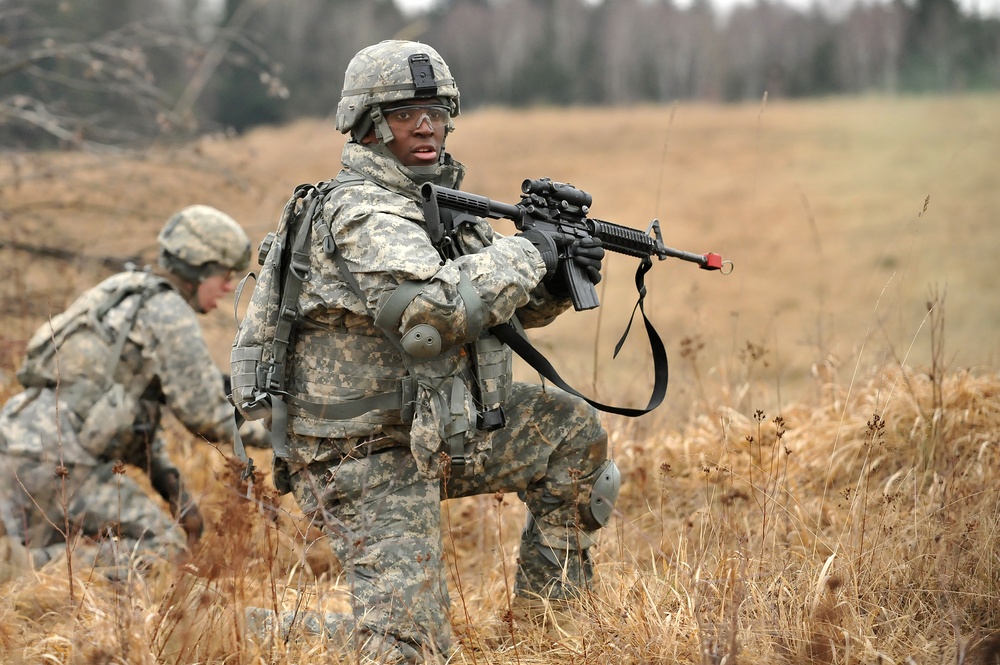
x=364, y=480
x=384, y=517
x=380, y=230
x=381, y=73
x=72, y=413
x=200, y=234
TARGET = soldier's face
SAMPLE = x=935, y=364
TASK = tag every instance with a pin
x=212, y=289
x=418, y=131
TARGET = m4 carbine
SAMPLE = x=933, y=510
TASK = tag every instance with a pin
x=560, y=211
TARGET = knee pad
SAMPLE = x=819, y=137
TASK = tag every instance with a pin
x=606, y=483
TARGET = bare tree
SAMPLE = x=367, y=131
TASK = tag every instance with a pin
x=310, y=42
x=869, y=47
x=96, y=73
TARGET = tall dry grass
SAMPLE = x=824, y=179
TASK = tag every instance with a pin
x=818, y=487
x=861, y=529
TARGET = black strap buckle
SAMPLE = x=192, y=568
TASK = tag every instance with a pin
x=248, y=475
x=491, y=420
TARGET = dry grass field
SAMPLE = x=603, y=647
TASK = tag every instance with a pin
x=818, y=487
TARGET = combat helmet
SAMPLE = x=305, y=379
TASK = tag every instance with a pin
x=200, y=240
x=391, y=71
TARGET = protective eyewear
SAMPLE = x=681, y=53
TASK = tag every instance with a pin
x=408, y=118
x=221, y=271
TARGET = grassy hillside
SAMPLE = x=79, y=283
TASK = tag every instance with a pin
x=817, y=487
x=841, y=216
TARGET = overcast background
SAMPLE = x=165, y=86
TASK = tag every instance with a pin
x=128, y=70
x=985, y=7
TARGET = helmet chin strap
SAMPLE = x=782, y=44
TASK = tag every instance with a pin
x=190, y=294
x=382, y=130
x=419, y=174
x=422, y=174
x=196, y=303
x=186, y=287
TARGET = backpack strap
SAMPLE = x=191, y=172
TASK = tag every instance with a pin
x=296, y=272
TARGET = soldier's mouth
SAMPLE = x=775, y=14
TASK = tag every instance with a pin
x=425, y=153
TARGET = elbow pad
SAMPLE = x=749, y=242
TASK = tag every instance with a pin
x=423, y=340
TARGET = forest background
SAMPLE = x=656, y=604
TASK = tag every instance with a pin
x=126, y=70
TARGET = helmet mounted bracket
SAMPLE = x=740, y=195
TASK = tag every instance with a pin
x=424, y=83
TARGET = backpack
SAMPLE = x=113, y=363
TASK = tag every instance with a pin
x=88, y=337
x=263, y=337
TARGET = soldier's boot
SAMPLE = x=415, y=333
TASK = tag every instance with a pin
x=555, y=572
x=552, y=581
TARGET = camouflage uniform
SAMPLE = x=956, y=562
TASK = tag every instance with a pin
x=84, y=409
x=374, y=483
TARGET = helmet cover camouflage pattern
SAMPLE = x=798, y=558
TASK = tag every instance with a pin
x=200, y=235
x=386, y=72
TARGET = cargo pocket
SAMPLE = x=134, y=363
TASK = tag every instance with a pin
x=444, y=422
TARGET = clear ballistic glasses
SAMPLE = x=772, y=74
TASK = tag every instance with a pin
x=221, y=271
x=408, y=118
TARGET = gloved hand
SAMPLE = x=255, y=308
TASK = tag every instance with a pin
x=547, y=246
x=587, y=253
x=167, y=481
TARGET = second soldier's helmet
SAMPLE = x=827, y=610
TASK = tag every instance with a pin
x=392, y=71
x=200, y=240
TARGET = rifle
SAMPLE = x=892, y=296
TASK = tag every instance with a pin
x=556, y=209
x=560, y=211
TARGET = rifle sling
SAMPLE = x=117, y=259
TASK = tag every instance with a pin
x=512, y=337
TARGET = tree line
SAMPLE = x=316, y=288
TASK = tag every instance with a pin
x=102, y=72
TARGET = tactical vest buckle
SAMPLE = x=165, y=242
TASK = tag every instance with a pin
x=491, y=420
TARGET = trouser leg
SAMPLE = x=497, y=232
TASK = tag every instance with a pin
x=384, y=523
x=108, y=516
x=122, y=523
x=551, y=454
